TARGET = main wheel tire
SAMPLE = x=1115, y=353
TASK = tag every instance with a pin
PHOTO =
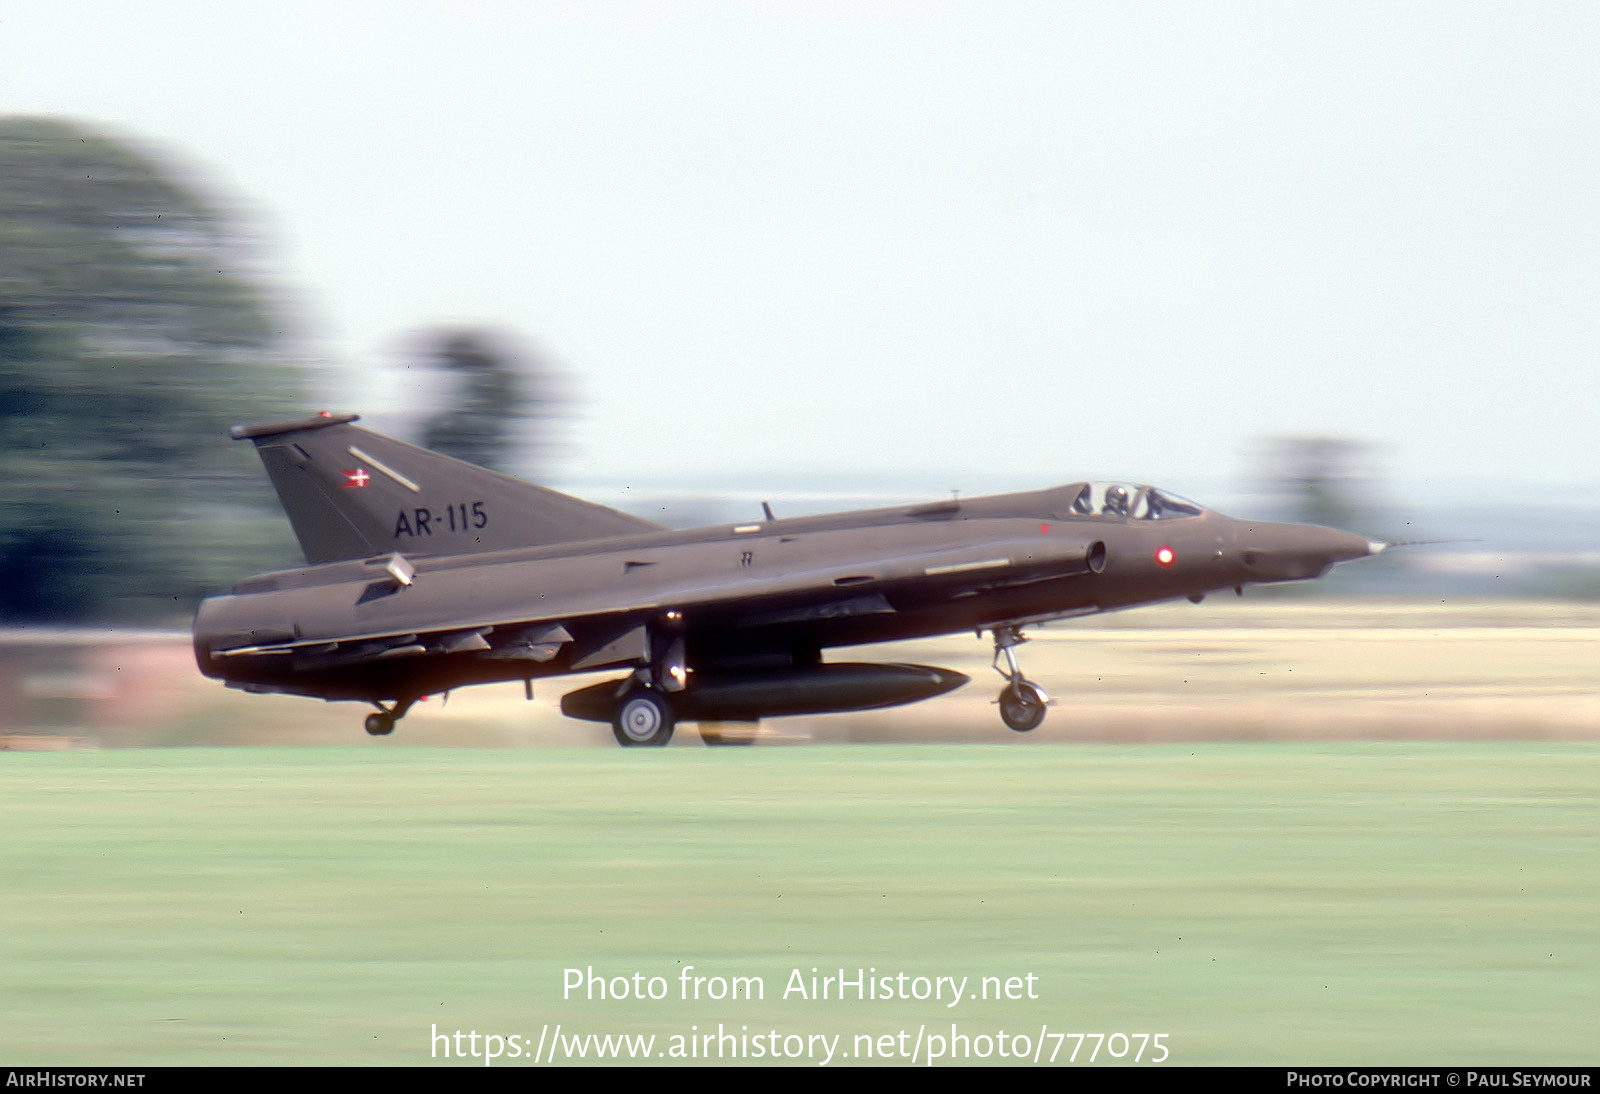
x=643, y=720
x=1022, y=708
x=380, y=724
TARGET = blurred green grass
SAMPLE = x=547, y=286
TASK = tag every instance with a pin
x=1285, y=903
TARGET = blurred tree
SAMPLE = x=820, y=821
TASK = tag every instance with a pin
x=1335, y=482
x=1321, y=480
x=485, y=393
x=130, y=339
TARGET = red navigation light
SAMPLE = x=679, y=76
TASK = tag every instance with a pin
x=1165, y=556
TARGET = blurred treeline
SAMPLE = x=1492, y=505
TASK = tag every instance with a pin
x=135, y=329
x=132, y=335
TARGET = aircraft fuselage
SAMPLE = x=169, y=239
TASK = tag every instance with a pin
x=432, y=574
x=740, y=592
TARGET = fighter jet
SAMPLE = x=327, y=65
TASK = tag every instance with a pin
x=426, y=574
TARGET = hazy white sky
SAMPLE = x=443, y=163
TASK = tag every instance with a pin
x=983, y=241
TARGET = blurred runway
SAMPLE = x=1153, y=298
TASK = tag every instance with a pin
x=1227, y=671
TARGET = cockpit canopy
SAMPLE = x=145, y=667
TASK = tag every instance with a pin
x=1115, y=499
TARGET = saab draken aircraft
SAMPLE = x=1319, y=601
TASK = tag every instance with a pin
x=426, y=574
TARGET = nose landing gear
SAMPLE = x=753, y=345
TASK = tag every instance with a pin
x=1022, y=702
x=382, y=723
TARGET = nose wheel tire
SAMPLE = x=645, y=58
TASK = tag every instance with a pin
x=382, y=723
x=643, y=720
x=1022, y=706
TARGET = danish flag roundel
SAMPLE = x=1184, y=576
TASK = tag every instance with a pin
x=356, y=478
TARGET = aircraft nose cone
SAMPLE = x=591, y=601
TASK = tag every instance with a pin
x=1291, y=552
x=1346, y=546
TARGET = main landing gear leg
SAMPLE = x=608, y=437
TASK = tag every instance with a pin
x=382, y=723
x=1022, y=702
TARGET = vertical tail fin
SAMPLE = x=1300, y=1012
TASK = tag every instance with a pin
x=351, y=493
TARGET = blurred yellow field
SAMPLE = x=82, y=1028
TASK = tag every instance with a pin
x=1250, y=670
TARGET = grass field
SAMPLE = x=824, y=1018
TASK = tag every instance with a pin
x=1354, y=903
